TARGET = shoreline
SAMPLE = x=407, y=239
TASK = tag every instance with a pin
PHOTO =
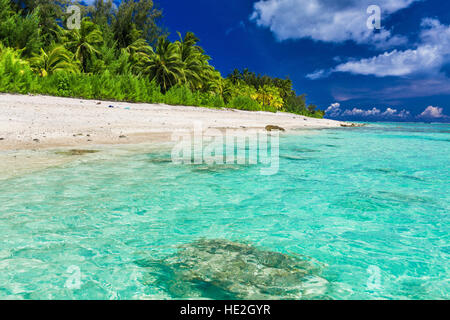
x=34, y=122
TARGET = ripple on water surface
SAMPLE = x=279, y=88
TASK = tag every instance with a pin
x=362, y=217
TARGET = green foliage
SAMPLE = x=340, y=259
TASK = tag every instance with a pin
x=134, y=18
x=20, y=31
x=258, y=81
x=195, y=63
x=62, y=84
x=57, y=59
x=270, y=96
x=99, y=86
x=245, y=103
x=111, y=60
x=15, y=73
x=164, y=65
x=48, y=13
x=182, y=95
x=213, y=100
x=272, y=93
x=111, y=57
x=295, y=104
x=84, y=42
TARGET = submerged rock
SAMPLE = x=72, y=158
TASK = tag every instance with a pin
x=76, y=152
x=222, y=269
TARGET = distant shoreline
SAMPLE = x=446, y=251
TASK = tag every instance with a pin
x=29, y=122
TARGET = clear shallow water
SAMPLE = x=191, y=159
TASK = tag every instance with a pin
x=370, y=206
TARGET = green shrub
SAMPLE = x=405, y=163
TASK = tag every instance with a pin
x=15, y=73
x=62, y=83
x=270, y=109
x=17, y=76
x=152, y=91
x=245, y=103
x=182, y=95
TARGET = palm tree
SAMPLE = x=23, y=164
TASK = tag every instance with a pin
x=137, y=52
x=235, y=77
x=219, y=86
x=164, y=65
x=83, y=42
x=196, y=64
x=285, y=86
x=56, y=59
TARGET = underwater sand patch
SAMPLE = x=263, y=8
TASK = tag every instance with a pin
x=76, y=152
x=223, y=269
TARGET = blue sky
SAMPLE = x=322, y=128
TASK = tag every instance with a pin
x=401, y=72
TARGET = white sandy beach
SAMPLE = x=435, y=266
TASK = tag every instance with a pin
x=34, y=128
x=39, y=122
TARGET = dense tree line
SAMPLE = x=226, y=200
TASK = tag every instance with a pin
x=122, y=53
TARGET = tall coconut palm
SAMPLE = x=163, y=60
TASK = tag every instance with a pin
x=164, y=65
x=194, y=60
x=56, y=59
x=198, y=72
x=83, y=42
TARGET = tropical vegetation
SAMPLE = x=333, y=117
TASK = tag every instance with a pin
x=122, y=53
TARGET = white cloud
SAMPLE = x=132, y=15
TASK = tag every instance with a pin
x=396, y=63
x=432, y=112
x=327, y=20
x=428, y=58
x=389, y=112
x=362, y=113
x=335, y=111
x=318, y=74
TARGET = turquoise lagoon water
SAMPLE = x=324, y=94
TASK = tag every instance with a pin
x=369, y=205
